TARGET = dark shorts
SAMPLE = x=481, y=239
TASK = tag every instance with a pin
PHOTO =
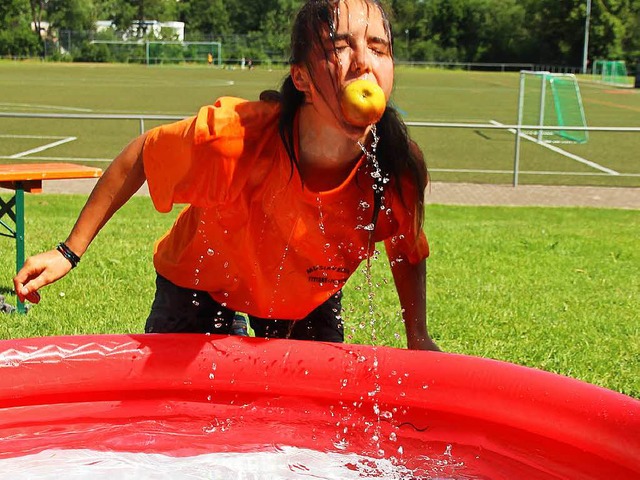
x=181, y=310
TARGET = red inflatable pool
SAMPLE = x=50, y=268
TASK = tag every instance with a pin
x=435, y=415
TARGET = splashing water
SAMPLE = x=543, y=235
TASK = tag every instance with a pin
x=286, y=463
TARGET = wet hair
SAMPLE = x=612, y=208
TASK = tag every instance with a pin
x=398, y=156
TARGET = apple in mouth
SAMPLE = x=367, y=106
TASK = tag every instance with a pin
x=362, y=102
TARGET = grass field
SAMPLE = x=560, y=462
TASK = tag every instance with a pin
x=544, y=287
x=472, y=155
x=552, y=288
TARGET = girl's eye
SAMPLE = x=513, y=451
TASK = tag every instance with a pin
x=378, y=49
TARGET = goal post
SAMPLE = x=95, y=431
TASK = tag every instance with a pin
x=189, y=52
x=551, y=100
x=611, y=72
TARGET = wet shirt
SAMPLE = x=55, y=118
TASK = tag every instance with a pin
x=251, y=235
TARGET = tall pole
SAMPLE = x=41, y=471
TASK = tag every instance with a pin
x=586, y=38
x=406, y=36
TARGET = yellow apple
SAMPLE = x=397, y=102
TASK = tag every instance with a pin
x=362, y=102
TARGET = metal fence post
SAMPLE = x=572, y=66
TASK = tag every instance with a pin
x=20, y=252
x=516, y=155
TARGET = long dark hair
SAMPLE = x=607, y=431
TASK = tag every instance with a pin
x=398, y=156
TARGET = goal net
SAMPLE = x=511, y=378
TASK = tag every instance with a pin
x=155, y=52
x=613, y=72
x=189, y=52
x=551, y=100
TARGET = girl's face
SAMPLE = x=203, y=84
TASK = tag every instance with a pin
x=360, y=47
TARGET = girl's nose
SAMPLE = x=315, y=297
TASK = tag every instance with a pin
x=360, y=62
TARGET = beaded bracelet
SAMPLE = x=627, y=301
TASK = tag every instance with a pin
x=67, y=253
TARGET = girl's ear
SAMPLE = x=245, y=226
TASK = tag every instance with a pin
x=300, y=77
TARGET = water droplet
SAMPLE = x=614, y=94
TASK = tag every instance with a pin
x=210, y=251
x=368, y=228
x=447, y=451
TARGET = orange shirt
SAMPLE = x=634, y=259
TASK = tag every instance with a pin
x=252, y=235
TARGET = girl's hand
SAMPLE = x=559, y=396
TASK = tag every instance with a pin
x=38, y=271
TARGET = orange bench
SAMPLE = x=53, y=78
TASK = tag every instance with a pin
x=28, y=177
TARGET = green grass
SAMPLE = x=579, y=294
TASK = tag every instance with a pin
x=551, y=288
x=421, y=94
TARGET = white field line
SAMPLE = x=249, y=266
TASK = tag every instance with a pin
x=46, y=137
x=45, y=107
x=62, y=159
x=529, y=172
x=553, y=148
x=43, y=147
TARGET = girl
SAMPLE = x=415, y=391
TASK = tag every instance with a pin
x=285, y=198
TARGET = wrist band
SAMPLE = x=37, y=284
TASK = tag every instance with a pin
x=67, y=253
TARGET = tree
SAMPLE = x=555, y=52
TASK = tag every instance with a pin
x=78, y=15
x=37, y=10
x=631, y=42
x=532, y=31
x=125, y=13
x=608, y=29
x=16, y=37
x=275, y=27
x=205, y=18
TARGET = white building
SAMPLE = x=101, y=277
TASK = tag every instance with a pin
x=150, y=26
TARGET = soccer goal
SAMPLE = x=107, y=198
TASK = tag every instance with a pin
x=155, y=51
x=612, y=72
x=551, y=100
x=189, y=52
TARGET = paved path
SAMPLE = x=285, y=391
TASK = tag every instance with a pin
x=467, y=194
x=561, y=196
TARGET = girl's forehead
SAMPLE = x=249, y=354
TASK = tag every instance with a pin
x=351, y=16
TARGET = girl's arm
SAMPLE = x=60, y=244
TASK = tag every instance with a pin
x=411, y=284
x=119, y=182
